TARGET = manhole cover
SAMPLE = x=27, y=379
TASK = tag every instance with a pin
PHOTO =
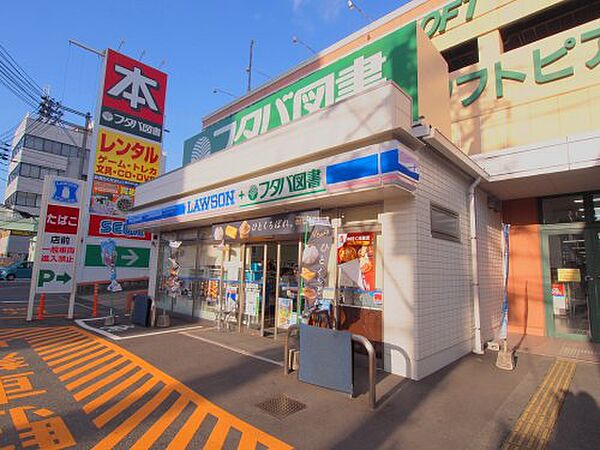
x=281, y=406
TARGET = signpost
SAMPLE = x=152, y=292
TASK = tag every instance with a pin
x=59, y=238
x=127, y=151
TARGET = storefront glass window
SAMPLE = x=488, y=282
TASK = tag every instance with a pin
x=565, y=209
x=596, y=207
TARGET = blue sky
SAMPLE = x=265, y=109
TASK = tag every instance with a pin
x=203, y=43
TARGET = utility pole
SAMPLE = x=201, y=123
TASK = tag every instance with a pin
x=249, y=69
x=84, y=139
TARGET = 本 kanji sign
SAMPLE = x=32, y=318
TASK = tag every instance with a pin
x=125, y=157
x=57, y=245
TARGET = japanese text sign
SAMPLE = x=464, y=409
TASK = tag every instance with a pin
x=134, y=88
x=61, y=219
x=125, y=157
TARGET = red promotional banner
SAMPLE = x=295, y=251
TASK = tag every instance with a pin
x=134, y=88
x=114, y=227
x=62, y=219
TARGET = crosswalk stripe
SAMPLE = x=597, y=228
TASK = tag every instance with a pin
x=159, y=427
x=58, y=357
x=64, y=344
x=217, y=436
x=248, y=440
x=86, y=367
x=127, y=426
x=125, y=403
x=102, y=399
x=52, y=339
x=77, y=361
x=187, y=431
x=90, y=376
x=38, y=338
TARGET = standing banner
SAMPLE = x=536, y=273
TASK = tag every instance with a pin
x=503, y=334
x=59, y=236
x=127, y=151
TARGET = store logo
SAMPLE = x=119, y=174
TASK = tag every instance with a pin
x=134, y=87
x=65, y=191
x=110, y=227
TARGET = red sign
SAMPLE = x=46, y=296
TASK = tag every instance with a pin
x=134, y=88
x=62, y=219
x=358, y=247
x=114, y=227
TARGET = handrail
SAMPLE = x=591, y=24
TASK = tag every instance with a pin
x=371, y=352
x=286, y=347
x=355, y=338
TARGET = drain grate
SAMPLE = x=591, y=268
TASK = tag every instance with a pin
x=281, y=406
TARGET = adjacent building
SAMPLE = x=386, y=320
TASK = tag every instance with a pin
x=38, y=149
x=374, y=180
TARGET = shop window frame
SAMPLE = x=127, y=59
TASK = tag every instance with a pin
x=588, y=206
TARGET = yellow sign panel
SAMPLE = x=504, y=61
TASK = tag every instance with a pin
x=569, y=275
x=126, y=157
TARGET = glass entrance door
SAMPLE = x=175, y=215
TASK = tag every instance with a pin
x=571, y=282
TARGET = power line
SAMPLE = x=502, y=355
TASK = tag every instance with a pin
x=18, y=68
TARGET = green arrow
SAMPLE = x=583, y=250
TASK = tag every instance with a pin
x=64, y=278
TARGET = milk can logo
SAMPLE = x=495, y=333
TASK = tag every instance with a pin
x=65, y=191
x=135, y=87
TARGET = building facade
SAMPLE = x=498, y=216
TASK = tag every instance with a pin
x=39, y=149
x=422, y=134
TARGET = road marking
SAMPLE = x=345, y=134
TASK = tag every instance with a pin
x=234, y=349
x=534, y=427
x=76, y=355
x=82, y=323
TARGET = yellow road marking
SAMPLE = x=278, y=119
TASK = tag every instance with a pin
x=187, y=431
x=534, y=427
x=103, y=382
x=125, y=403
x=94, y=363
x=102, y=399
x=67, y=351
x=119, y=433
x=68, y=347
x=159, y=427
x=217, y=437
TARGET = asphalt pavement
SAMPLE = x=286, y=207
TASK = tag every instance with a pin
x=198, y=387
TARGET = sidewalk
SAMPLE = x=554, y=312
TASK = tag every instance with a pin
x=555, y=348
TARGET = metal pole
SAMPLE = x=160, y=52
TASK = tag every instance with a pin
x=249, y=69
x=278, y=273
x=85, y=47
x=371, y=353
x=88, y=123
x=286, y=348
x=264, y=292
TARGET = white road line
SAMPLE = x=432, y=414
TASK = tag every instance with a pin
x=233, y=349
x=154, y=333
x=114, y=337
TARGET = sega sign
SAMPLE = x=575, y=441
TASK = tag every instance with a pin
x=114, y=227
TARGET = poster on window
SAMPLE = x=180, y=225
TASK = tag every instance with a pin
x=356, y=259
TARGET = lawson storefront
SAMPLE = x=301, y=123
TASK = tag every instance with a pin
x=352, y=210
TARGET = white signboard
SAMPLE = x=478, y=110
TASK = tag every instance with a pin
x=59, y=234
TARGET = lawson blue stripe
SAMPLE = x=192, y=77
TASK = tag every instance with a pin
x=157, y=214
x=352, y=170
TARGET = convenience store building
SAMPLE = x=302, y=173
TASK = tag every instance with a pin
x=406, y=161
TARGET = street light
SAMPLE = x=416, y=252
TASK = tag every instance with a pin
x=221, y=91
x=296, y=40
x=352, y=5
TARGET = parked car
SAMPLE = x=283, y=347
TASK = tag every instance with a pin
x=16, y=270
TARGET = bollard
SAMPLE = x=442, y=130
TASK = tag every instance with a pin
x=41, y=306
x=95, y=301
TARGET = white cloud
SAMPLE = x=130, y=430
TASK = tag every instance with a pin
x=297, y=4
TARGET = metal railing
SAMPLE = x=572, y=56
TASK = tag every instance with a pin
x=293, y=329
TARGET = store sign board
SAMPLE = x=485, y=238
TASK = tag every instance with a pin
x=280, y=225
x=127, y=152
x=392, y=57
x=55, y=261
x=373, y=167
x=126, y=256
x=568, y=275
x=113, y=227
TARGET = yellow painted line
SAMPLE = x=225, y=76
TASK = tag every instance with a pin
x=102, y=399
x=217, y=437
x=64, y=367
x=52, y=339
x=125, y=403
x=101, y=383
x=92, y=375
x=534, y=427
x=88, y=366
x=46, y=335
x=48, y=351
x=69, y=351
x=158, y=428
x=127, y=426
x=32, y=333
x=187, y=431
x=85, y=350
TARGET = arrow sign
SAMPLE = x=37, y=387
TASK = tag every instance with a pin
x=64, y=277
x=131, y=256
